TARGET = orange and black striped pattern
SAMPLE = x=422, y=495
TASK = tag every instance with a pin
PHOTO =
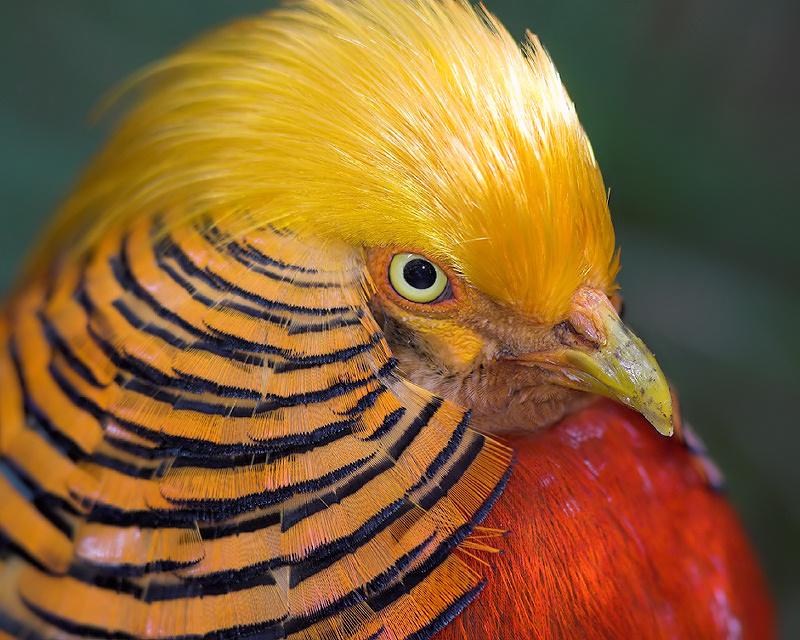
x=203, y=435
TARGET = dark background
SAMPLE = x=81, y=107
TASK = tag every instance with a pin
x=692, y=107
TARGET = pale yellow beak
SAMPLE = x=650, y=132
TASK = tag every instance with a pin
x=613, y=362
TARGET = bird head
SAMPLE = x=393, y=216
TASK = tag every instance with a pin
x=450, y=160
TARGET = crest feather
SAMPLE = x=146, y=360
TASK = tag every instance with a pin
x=416, y=124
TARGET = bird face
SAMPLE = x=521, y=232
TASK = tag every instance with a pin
x=512, y=371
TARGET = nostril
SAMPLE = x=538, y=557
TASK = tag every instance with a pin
x=570, y=336
x=590, y=311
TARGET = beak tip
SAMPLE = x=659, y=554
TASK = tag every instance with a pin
x=661, y=417
x=665, y=430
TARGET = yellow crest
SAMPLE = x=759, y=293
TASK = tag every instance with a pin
x=417, y=124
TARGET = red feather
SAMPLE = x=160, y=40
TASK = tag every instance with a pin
x=615, y=533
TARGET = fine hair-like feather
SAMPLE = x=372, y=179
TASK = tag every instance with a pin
x=415, y=124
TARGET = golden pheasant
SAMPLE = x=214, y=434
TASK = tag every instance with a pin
x=266, y=376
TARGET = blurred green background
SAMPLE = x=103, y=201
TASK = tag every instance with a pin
x=693, y=109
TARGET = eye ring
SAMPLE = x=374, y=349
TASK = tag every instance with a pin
x=417, y=279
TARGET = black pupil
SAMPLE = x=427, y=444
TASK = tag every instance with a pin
x=419, y=273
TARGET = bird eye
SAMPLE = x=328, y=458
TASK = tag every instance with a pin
x=416, y=278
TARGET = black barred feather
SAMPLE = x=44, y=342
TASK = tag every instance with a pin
x=203, y=435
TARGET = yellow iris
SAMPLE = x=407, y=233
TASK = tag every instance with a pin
x=416, y=278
